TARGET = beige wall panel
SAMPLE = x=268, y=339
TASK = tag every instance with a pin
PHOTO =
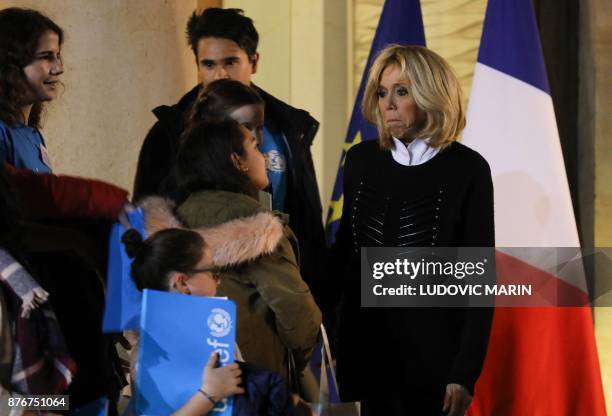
x=335, y=87
x=122, y=58
x=307, y=74
x=272, y=20
x=205, y=4
x=366, y=14
x=453, y=29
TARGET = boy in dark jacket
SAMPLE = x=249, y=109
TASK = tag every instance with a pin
x=224, y=43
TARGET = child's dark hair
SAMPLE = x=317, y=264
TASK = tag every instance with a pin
x=220, y=98
x=229, y=24
x=169, y=250
x=204, y=160
x=20, y=31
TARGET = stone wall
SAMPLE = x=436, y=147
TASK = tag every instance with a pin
x=122, y=59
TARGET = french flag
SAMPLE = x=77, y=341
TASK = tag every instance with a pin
x=540, y=361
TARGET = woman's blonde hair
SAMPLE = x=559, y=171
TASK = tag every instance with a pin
x=433, y=85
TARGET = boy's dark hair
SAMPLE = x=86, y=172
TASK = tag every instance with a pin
x=204, y=160
x=169, y=250
x=20, y=31
x=229, y=24
x=220, y=98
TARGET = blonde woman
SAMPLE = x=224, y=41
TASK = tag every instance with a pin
x=414, y=186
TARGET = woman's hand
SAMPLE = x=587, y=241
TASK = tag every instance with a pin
x=220, y=382
x=456, y=400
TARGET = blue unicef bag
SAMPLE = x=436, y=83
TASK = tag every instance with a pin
x=123, y=299
x=178, y=334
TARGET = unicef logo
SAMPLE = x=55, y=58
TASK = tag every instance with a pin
x=275, y=162
x=219, y=322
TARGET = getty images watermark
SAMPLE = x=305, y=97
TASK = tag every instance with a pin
x=485, y=277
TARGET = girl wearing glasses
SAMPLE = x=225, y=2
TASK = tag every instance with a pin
x=179, y=260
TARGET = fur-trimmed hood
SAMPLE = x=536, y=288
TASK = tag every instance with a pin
x=233, y=242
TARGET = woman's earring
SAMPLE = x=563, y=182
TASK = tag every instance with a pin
x=245, y=169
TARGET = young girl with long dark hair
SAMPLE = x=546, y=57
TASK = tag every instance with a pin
x=221, y=171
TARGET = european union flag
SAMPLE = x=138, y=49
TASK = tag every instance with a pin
x=400, y=22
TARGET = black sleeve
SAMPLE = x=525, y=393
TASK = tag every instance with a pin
x=478, y=231
x=341, y=249
x=153, y=163
x=478, y=228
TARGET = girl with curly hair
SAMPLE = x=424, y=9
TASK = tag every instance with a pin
x=30, y=71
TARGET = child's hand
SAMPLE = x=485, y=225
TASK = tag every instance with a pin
x=220, y=382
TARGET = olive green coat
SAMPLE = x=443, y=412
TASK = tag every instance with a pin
x=275, y=308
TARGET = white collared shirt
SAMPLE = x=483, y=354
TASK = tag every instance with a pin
x=416, y=152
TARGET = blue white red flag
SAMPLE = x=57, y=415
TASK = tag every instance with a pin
x=540, y=361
